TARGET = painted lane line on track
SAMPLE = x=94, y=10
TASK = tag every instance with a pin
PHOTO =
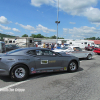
x=18, y=83
x=12, y=85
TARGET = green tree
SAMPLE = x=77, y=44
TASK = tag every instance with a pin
x=25, y=35
x=98, y=38
x=91, y=38
x=33, y=35
x=60, y=38
x=40, y=36
x=37, y=36
x=53, y=37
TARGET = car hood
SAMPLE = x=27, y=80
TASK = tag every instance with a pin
x=64, y=54
x=60, y=50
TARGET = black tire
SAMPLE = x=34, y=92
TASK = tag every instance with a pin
x=72, y=67
x=19, y=73
x=89, y=57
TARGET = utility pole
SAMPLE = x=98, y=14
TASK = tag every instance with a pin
x=57, y=22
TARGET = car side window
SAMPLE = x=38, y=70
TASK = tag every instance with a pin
x=45, y=52
x=77, y=49
x=49, y=53
x=39, y=52
x=74, y=49
x=31, y=52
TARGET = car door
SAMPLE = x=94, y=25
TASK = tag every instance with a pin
x=73, y=51
x=80, y=53
x=47, y=60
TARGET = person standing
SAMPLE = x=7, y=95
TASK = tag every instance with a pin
x=48, y=46
x=55, y=46
x=52, y=46
x=44, y=45
x=36, y=45
x=62, y=45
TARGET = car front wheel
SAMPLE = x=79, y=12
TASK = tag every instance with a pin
x=72, y=66
x=89, y=57
x=19, y=72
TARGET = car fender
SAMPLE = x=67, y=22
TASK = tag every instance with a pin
x=18, y=63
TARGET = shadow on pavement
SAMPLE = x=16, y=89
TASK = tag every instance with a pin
x=7, y=78
x=84, y=59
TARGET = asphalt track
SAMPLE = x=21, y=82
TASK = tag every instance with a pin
x=81, y=85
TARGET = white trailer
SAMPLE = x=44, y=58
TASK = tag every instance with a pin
x=21, y=41
x=81, y=43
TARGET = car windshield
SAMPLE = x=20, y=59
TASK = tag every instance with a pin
x=64, y=48
x=14, y=45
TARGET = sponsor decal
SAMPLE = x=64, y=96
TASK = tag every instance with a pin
x=44, y=61
x=23, y=59
x=43, y=71
x=65, y=68
x=38, y=71
x=11, y=60
x=49, y=70
x=52, y=61
x=32, y=69
x=61, y=69
x=57, y=70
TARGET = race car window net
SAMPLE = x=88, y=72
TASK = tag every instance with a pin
x=45, y=52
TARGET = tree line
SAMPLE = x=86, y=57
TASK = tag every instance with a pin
x=92, y=38
x=41, y=36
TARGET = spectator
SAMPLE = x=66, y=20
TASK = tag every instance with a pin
x=52, y=46
x=36, y=45
x=44, y=45
x=48, y=46
x=58, y=46
x=88, y=45
x=55, y=46
x=62, y=45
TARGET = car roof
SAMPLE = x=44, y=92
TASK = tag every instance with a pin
x=73, y=46
x=33, y=48
x=23, y=50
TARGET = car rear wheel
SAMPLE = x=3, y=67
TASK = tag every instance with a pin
x=19, y=73
x=72, y=66
x=89, y=57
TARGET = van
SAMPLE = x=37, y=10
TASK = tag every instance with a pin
x=2, y=47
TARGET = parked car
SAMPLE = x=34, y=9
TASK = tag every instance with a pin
x=96, y=50
x=76, y=51
x=89, y=48
x=10, y=47
x=19, y=63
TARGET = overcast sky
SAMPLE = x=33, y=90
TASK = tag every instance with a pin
x=79, y=19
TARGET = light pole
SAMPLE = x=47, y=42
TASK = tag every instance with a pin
x=57, y=22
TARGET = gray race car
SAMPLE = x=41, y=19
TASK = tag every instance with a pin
x=22, y=62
